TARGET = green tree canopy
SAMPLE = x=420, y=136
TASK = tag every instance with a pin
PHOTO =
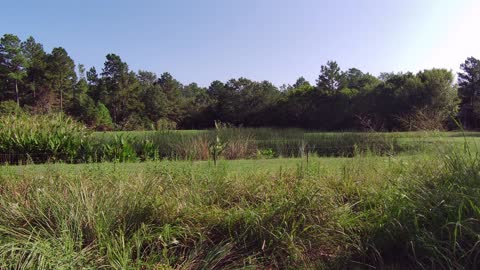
x=13, y=62
x=61, y=73
x=330, y=78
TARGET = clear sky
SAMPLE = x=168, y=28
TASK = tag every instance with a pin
x=276, y=40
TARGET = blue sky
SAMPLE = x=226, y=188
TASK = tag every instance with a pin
x=276, y=40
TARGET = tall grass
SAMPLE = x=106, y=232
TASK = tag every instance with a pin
x=41, y=138
x=246, y=142
x=369, y=212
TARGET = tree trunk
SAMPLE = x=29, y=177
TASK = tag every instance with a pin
x=61, y=100
x=16, y=91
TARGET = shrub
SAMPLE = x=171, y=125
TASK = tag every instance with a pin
x=103, y=120
x=136, y=121
x=166, y=124
x=9, y=107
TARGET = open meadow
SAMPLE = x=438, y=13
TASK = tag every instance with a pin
x=222, y=135
x=237, y=198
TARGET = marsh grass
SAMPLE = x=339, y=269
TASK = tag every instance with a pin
x=192, y=148
x=58, y=138
x=242, y=143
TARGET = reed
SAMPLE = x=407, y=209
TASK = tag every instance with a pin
x=57, y=138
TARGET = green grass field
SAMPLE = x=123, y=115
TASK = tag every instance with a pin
x=329, y=165
x=366, y=211
x=275, y=199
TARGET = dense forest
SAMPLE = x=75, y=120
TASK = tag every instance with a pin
x=117, y=98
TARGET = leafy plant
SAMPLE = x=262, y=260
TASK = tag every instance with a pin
x=149, y=151
x=216, y=148
x=41, y=137
x=267, y=153
x=120, y=150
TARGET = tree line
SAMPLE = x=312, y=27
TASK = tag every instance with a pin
x=118, y=98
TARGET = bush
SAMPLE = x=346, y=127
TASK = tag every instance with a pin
x=103, y=120
x=9, y=107
x=136, y=121
x=166, y=124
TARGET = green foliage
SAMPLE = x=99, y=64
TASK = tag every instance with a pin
x=469, y=87
x=217, y=146
x=243, y=143
x=330, y=78
x=10, y=108
x=103, y=120
x=341, y=100
x=149, y=151
x=60, y=72
x=222, y=143
x=171, y=90
x=165, y=124
x=267, y=153
x=135, y=121
x=56, y=137
x=119, y=90
x=13, y=63
x=120, y=150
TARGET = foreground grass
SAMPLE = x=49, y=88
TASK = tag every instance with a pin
x=239, y=166
x=397, y=212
